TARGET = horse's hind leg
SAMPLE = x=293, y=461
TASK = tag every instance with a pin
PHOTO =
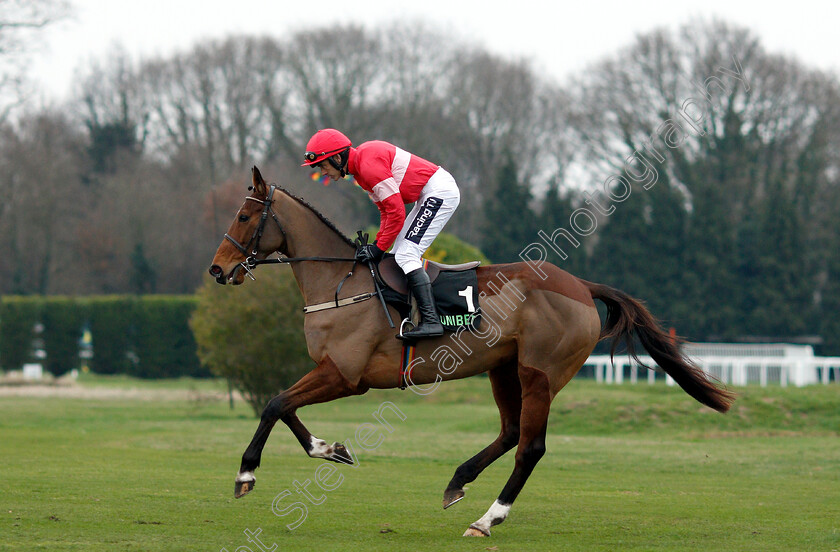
x=508, y=395
x=536, y=402
x=323, y=384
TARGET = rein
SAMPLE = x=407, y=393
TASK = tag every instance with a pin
x=251, y=261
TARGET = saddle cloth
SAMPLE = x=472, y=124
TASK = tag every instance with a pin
x=455, y=288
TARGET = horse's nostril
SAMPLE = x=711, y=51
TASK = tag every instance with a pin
x=215, y=271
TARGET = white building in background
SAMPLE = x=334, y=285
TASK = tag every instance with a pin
x=731, y=363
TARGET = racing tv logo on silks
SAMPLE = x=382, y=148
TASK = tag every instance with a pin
x=423, y=219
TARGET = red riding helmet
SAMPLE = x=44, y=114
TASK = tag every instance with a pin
x=323, y=145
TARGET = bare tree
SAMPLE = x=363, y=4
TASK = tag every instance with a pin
x=42, y=201
x=333, y=75
x=215, y=101
x=736, y=141
x=21, y=21
x=676, y=95
x=180, y=126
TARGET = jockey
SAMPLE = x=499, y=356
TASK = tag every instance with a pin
x=394, y=178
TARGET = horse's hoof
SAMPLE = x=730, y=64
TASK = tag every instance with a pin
x=340, y=454
x=451, y=496
x=475, y=532
x=242, y=488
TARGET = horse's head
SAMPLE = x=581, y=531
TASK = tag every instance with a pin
x=255, y=232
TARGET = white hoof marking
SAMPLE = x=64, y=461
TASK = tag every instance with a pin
x=318, y=448
x=245, y=476
x=494, y=516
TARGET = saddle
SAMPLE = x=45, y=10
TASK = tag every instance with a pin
x=455, y=288
x=392, y=275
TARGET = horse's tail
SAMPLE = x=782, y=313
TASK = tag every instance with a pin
x=627, y=316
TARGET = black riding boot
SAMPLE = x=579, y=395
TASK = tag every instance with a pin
x=430, y=325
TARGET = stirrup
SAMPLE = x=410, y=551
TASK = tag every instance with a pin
x=405, y=321
x=408, y=337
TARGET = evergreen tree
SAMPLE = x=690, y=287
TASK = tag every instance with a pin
x=754, y=166
x=829, y=323
x=108, y=141
x=509, y=222
x=640, y=250
x=749, y=252
x=143, y=273
x=719, y=182
x=556, y=210
x=778, y=287
x=619, y=258
x=665, y=256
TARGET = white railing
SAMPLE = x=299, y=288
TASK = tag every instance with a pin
x=731, y=363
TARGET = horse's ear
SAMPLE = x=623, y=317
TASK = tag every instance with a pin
x=259, y=183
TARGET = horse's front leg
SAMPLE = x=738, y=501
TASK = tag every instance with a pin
x=508, y=394
x=323, y=384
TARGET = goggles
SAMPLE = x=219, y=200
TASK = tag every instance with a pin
x=311, y=156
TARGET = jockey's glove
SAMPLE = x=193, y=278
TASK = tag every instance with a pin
x=369, y=252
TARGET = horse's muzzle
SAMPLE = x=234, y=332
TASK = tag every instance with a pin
x=218, y=273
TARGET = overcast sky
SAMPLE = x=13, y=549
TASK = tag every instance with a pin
x=560, y=37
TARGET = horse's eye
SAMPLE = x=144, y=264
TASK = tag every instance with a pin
x=243, y=218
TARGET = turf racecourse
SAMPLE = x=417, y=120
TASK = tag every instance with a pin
x=633, y=467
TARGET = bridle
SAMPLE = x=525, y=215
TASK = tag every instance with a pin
x=251, y=261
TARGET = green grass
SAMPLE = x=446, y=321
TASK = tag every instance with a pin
x=630, y=467
x=121, y=381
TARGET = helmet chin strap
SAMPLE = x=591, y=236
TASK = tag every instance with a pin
x=340, y=167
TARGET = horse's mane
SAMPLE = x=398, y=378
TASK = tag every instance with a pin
x=323, y=219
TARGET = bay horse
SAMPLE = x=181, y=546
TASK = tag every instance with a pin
x=537, y=330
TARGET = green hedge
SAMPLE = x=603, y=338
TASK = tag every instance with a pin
x=163, y=341
x=146, y=336
x=18, y=316
x=63, y=320
x=111, y=321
